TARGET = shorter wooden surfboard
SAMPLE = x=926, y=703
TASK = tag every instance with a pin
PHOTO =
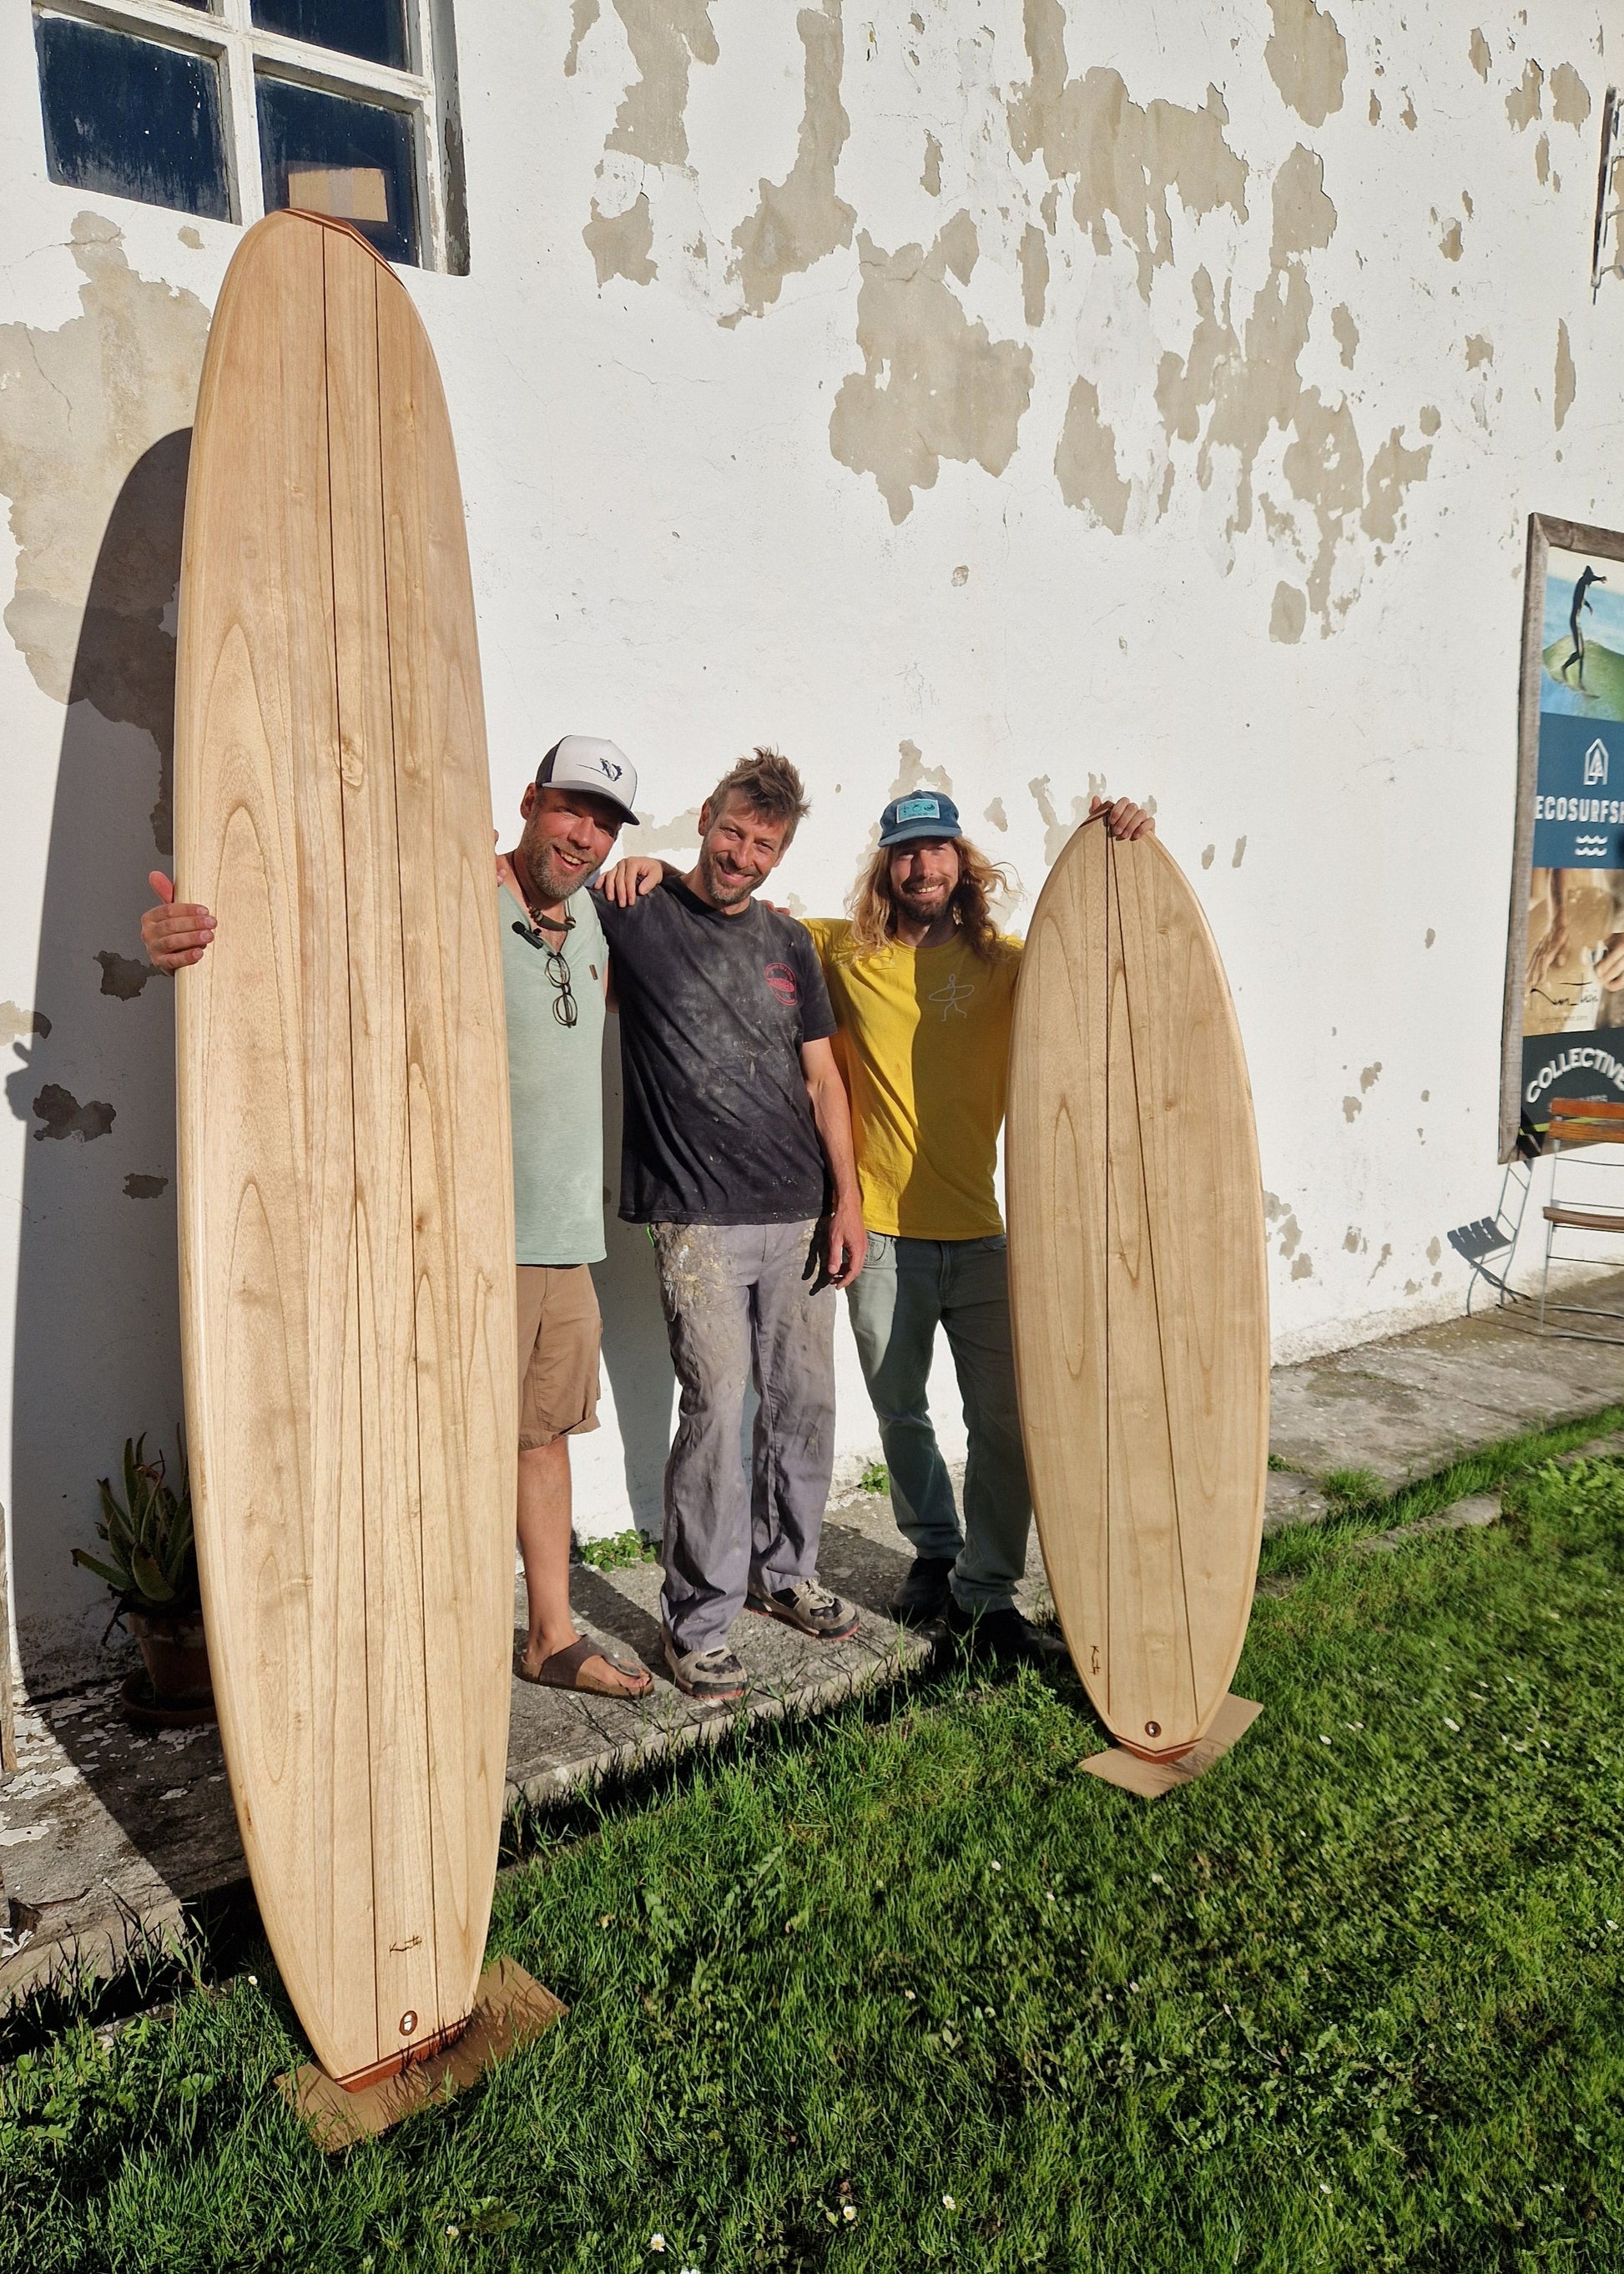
x=1138, y=1287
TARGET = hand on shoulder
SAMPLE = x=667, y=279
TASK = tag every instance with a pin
x=631, y=879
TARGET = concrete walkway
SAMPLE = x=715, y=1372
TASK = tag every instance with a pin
x=107, y=1832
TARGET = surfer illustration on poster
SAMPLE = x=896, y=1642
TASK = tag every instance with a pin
x=346, y=1197
x=1139, y=1300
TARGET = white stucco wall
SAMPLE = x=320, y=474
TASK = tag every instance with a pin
x=1023, y=404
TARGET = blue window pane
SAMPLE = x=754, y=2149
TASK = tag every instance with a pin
x=373, y=28
x=131, y=118
x=331, y=154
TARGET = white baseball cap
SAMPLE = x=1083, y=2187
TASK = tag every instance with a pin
x=584, y=762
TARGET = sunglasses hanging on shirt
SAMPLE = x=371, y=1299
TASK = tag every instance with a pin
x=564, y=1007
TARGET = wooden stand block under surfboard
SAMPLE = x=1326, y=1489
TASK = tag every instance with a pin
x=1132, y=1773
x=1137, y=1288
x=509, y=2011
x=346, y=1197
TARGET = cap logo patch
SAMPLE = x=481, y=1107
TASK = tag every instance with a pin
x=608, y=769
x=918, y=809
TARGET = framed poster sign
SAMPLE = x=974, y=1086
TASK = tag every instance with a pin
x=1564, y=1019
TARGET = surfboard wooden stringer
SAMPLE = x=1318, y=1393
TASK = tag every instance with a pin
x=346, y=1204
x=1138, y=1289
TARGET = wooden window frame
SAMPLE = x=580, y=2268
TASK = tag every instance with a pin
x=226, y=32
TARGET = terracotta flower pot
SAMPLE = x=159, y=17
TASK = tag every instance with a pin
x=173, y=1654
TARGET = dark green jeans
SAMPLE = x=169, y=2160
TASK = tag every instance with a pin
x=906, y=1289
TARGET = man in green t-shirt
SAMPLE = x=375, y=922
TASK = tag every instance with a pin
x=555, y=967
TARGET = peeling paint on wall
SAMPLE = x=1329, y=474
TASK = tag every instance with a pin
x=1522, y=104
x=1345, y=332
x=1304, y=218
x=1058, y=829
x=1477, y=48
x=799, y=220
x=138, y=1187
x=1392, y=471
x=104, y=396
x=1086, y=461
x=1034, y=258
x=667, y=38
x=1126, y=161
x=15, y=1024
x=1570, y=98
x=1567, y=378
x=913, y=773
x=583, y=16
x=1289, y=616
x=1307, y=59
x=620, y=244
x=933, y=386
x=930, y=180
x=123, y=975
x=61, y=1115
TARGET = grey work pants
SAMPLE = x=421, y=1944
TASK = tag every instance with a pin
x=739, y=1303
x=906, y=1289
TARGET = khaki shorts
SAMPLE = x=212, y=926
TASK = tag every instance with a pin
x=559, y=1329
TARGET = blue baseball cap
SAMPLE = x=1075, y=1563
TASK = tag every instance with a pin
x=923, y=813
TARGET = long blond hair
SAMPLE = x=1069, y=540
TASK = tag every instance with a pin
x=872, y=905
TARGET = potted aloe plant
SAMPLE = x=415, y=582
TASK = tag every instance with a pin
x=150, y=1564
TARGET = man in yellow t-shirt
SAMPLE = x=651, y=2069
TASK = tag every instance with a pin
x=922, y=984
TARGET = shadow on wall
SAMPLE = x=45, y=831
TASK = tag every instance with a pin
x=636, y=1356
x=97, y=1341
x=97, y=1345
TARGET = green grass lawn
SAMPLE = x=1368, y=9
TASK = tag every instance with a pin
x=903, y=1988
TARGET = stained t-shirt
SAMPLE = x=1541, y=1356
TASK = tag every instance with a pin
x=714, y=1009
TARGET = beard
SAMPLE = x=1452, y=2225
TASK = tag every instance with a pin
x=923, y=903
x=724, y=892
x=550, y=881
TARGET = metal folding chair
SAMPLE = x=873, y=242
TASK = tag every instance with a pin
x=1489, y=1244
x=1580, y=1126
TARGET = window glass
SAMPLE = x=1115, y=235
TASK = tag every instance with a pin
x=131, y=118
x=375, y=29
x=329, y=153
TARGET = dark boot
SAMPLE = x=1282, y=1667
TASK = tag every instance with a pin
x=924, y=1595
x=1004, y=1638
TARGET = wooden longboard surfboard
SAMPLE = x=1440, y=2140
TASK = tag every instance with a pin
x=1138, y=1287
x=346, y=1199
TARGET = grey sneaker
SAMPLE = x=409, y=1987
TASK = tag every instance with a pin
x=712, y=1675
x=810, y=1608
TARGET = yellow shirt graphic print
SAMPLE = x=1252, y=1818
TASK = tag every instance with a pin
x=923, y=1042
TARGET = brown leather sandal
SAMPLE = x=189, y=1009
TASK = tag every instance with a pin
x=563, y=1670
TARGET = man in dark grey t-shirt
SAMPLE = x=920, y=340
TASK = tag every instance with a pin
x=737, y=1153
